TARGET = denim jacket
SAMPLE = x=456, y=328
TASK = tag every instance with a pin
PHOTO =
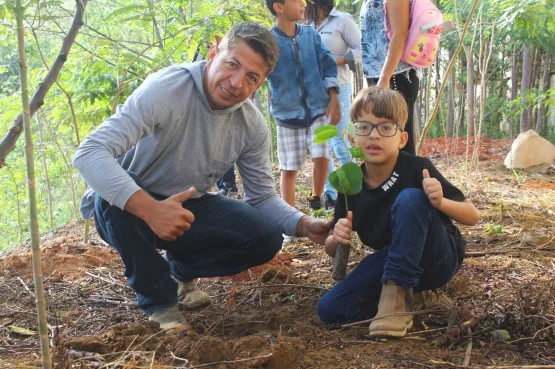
x=300, y=81
x=374, y=40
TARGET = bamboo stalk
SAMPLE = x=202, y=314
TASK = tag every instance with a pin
x=34, y=224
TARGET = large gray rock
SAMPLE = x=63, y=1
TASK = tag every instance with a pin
x=530, y=151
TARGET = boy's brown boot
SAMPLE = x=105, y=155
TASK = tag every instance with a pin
x=190, y=297
x=393, y=299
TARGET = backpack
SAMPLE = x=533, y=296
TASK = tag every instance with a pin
x=426, y=25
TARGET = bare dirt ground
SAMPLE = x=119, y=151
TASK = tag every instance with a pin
x=504, y=312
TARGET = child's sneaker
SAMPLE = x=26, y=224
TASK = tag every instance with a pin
x=329, y=203
x=169, y=318
x=315, y=203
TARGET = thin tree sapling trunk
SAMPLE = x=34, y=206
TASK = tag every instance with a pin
x=33, y=216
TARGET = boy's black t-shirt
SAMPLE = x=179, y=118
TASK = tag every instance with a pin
x=372, y=207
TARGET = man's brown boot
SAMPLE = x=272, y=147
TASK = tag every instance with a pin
x=393, y=299
x=169, y=318
x=190, y=297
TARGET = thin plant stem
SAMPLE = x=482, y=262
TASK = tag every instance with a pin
x=34, y=224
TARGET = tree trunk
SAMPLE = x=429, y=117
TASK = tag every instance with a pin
x=427, y=94
x=451, y=100
x=462, y=104
x=33, y=216
x=8, y=143
x=470, y=95
x=534, y=82
x=514, y=89
x=439, y=117
x=543, y=87
x=69, y=173
x=502, y=91
x=155, y=25
x=18, y=204
x=525, y=123
x=46, y=175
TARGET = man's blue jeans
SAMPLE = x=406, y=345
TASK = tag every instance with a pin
x=227, y=237
x=339, y=145
x=422, y=255
x=227, y=182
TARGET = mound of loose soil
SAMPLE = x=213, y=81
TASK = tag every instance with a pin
x=266, y=317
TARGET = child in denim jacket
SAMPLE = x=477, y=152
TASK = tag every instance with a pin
x=304, y=89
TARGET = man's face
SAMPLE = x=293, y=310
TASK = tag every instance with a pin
x=233, y=75
x=291, y=10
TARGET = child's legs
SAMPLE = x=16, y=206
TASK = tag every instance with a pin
x=292, y=147
x=319, y=175
x=356, y=297
x=287, y=185
x=340, y=144
x=422, y=254
x=319, y=154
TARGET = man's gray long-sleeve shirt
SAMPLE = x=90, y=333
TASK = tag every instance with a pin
x=168, y=135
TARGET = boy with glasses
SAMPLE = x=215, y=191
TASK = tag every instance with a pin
x=404, y=212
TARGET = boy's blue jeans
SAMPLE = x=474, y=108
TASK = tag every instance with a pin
x=336, y=144
x=227, y=237
x=422, y=255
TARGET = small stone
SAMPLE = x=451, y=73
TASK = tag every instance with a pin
x=500, y=335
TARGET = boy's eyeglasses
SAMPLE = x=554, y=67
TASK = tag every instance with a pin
x=385, y=129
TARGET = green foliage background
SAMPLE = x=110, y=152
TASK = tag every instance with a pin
x=118, y=46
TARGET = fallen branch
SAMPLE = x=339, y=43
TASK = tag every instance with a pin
x=486, y=253
x=105, y=279
x=468, y=352
x=395, y=314
x=446, y=363
x=231, y=361
x=114, y=302
x=26, y=288
x=272, y=285
x=8, y=142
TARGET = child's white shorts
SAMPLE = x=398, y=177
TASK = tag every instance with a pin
x=292, y=144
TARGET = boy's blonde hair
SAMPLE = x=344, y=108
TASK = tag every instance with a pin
x=383, y=103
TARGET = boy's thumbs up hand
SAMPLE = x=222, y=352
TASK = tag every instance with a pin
x=169, y=219
x=432, y=188
x=343, y=229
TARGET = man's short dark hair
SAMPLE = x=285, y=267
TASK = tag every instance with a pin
x=259, y=39
x=270, y=5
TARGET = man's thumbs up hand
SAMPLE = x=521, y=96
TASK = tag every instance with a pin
x=169, y=219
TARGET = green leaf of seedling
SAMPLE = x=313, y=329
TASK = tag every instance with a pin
x=334, y=181
x=347, y=179
x=324, y=133
x=357, y=153
x=343, y=181
x=354, y=176
x=325, y=128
